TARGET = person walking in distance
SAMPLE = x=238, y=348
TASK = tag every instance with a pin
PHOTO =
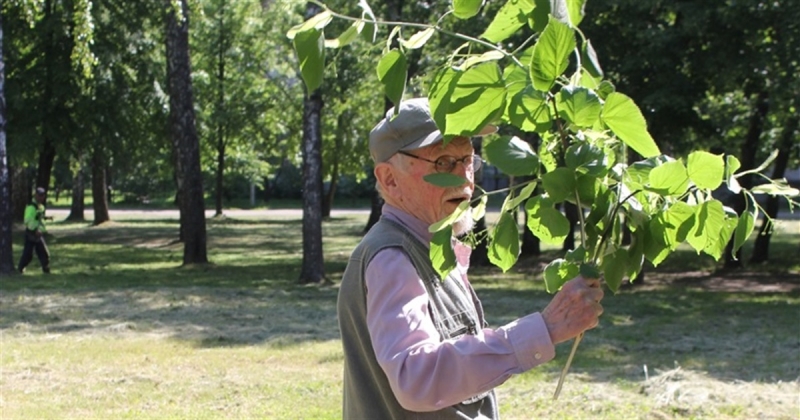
x=416, y=346
x=34, y=233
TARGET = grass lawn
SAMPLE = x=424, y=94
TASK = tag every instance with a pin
x=121, y=331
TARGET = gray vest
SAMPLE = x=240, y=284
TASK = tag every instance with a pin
x=453, y=307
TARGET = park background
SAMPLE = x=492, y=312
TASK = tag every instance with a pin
x=138, y=121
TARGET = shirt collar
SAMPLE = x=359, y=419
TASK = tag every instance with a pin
x=419, y=229
x=416, y=226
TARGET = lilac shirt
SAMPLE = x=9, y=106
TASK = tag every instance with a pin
x=426, y=373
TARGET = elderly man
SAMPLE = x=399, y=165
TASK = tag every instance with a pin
x=415, y=345
x=34, y=233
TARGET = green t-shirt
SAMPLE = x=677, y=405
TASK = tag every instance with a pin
x=34, y=217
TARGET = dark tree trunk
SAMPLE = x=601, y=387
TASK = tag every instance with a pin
x=788, y=139
x=77, y=207
x=313, y=270
x=571, y=211
x=99, y=188
x=6, y=215
x=327, y=203
x=220, y=171
x=480, y=255
x=47, y=156
x=20, y=191
x=184, y=136
x=531, y=246
x=376, y=204
x=747, y=158
x=219, y=121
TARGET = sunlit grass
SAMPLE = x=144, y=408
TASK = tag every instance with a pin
x=121, y=330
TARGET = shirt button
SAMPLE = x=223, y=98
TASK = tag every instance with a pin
x=537, y=356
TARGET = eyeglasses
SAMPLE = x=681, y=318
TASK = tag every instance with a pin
x=446, y=164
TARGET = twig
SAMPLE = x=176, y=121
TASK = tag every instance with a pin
x=566, y=367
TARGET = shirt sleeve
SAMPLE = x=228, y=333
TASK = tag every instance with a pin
x=425, y=372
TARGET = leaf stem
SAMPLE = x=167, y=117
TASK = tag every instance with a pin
x=436, y=28
x=566, y=366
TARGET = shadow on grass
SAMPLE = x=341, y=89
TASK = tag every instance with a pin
x=730, y=335
x=112, y=279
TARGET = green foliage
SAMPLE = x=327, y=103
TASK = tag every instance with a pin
x=586, y=127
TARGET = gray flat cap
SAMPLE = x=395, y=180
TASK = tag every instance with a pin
x=40, y=190
x=412, y=128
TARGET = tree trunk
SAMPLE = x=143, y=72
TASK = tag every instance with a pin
x=788, y=138
x=220, y=171
x=220, y=105
x=376, y=204
x=20, y=191
x=327, y=203
x=313, y=270
x=99, y=190
x=47, y=153
x=184, y=135
x=6, y=215
x=77, y=207
x=571, y=211
x=747, y=157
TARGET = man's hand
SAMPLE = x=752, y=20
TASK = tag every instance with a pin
x=38, y=233
x=574, y=309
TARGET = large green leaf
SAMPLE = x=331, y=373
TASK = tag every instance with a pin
x=419, y=39
x=545, y=222
x=559, y=184
x=575, y=8
x=504, y=244
x=528, y=109
x=717, y=248
x=654, y=249
x=589, y=60
x=579, y=106
x=310, y=47
x=669, y=178
x=586, y=159
x=709, y=219
x=615, y=266
x=513, y=201
x=318, y=22
x=667, y=230
x=392, y=72
x=476, y=99
x=551, y=54
x=677, y=222
x=348, y=36
x=558, y=272
x=442, y=255
x=511, y=17
x=627, y=122
x=744, y=228
x=512, y=155
x=472, y=60
x=635, y=254
x=449, y=220
x=465, y=9
x=706, y=170
x=440, y=94
x=732, y=165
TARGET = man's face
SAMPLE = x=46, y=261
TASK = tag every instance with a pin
x=424, y=200
x=40, y=198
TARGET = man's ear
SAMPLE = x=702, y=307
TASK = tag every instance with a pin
x=384, y=173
